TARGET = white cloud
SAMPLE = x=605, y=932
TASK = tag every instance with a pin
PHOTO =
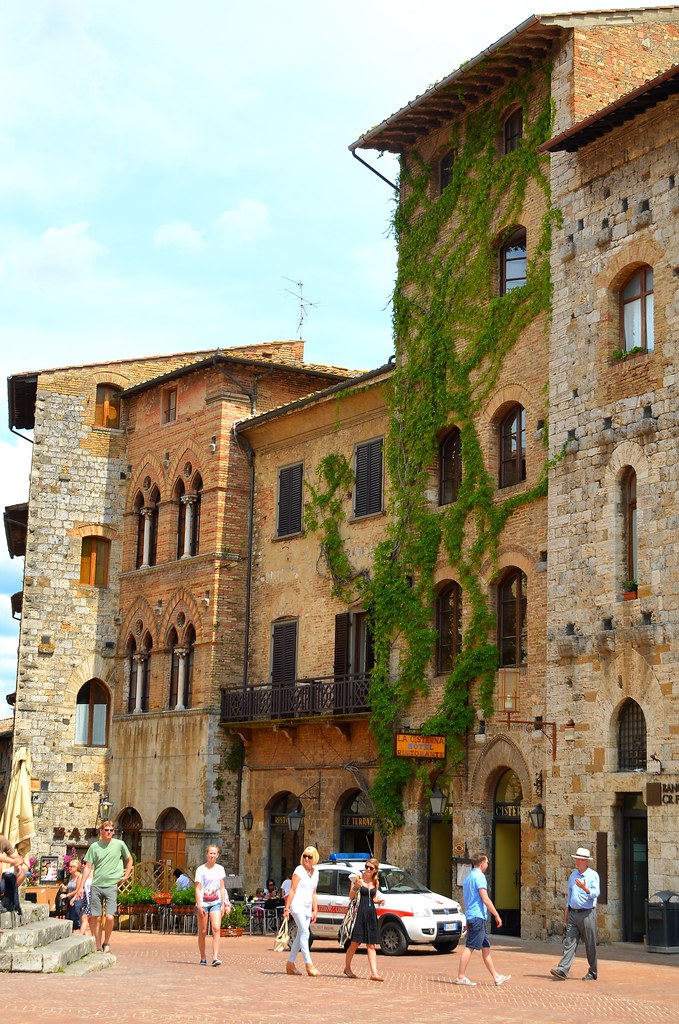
x=60, y=256
x=181, y=234
x=248, y=222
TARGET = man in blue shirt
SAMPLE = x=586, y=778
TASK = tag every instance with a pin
x=580, y=916
x=477, y=903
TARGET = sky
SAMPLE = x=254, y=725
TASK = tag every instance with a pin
x=170, y=170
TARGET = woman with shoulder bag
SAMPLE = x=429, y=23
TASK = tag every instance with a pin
x=367, y=886
x=301, y=903
x=211, y=900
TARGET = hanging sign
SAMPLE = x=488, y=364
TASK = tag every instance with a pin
x=413, y=744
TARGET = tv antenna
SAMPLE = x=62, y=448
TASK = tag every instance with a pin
x=304, y=304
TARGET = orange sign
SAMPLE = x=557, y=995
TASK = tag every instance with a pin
x=412, y=744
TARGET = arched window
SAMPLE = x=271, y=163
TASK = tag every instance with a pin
x=91, y=715
x=513, y=262
x=138, y=506
x=446, y=164
x=629, y=506
x=94, y=558
x=513, y=447
x=131, y=667
x=179, y=492
x=450, y=466
x=173, y=643
x=195, y=521
x=147, y=528
x=512, y=619
x=513, y=131
x=139, y=674
x=636, y=311
x=107, y=409
x=448, y=627
x=189, y=644
x=631, y=737
x=153, y=504
x=130, y=826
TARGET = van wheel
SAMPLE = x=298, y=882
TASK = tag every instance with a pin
x=445, y=945
x=392, y=939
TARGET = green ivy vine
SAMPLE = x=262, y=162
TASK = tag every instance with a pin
x=453, y=335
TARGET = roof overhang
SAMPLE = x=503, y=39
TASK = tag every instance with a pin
x=21, y=393
x=16, y=528
x=530, y=43
x=615, y=114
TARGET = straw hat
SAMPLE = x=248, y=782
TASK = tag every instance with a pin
x=581, y=854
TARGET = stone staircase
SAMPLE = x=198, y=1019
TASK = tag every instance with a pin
x=39, y=944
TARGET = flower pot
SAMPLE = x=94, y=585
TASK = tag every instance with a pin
x=629, y=595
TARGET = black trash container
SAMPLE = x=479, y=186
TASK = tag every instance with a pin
x=662, y=922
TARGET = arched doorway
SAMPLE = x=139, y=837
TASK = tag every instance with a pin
x=506, y=859
x=357, y=825
x=130, y=825
x=285, y=846
x=171, y=828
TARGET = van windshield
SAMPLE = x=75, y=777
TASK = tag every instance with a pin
x=397, y=880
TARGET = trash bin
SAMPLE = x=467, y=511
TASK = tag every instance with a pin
x=662, y=922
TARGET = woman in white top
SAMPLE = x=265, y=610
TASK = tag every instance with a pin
x=301, y=903
x=211, y=899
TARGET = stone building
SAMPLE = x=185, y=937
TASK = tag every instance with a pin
x=613, y=606
x=482, y=211
x=134, y=588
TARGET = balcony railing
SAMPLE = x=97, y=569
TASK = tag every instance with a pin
x=324, y=695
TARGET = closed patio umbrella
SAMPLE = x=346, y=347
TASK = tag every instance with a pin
x=16, y=823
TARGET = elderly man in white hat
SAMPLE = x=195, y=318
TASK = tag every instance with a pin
x=580, y=916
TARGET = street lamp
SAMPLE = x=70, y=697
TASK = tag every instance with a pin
x=295, y=820
x=438, y=802
x=38, y=802
x=247, y=820
x=537, y=816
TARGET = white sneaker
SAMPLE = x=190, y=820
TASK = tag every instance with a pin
x=502, y=978
x=465, y=981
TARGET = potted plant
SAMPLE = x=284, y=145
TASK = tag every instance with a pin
x=183, y=900
x=135, y=896
x=235, y=922
x=630, y=593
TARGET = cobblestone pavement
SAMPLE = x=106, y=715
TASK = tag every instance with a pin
x=157, y=979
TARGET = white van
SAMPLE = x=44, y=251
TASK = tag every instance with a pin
x=411, y=913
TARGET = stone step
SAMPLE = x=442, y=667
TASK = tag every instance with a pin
x=89, y=963
x=51, y=958
x=37, y=933
x=30, y=912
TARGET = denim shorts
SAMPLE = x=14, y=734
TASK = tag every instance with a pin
x=217, y=905
x=476, y=933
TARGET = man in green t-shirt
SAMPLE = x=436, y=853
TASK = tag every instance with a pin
x=108, y=862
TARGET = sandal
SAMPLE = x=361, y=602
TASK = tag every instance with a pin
x=376, y=977
x=106, y=948
x=349, y=973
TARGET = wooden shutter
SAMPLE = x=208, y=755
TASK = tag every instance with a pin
x=341, y=666
x=284, y=652
x=290, y=500
x=368, y=478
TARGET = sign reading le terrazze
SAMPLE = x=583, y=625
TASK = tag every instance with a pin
x=413, y=744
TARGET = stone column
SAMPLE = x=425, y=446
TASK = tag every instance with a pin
x=139, y=661
x=147, y=513
x=189, y=500
x=181, y=653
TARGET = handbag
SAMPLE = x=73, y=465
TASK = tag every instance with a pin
x=349, y=920
x=282, y=941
